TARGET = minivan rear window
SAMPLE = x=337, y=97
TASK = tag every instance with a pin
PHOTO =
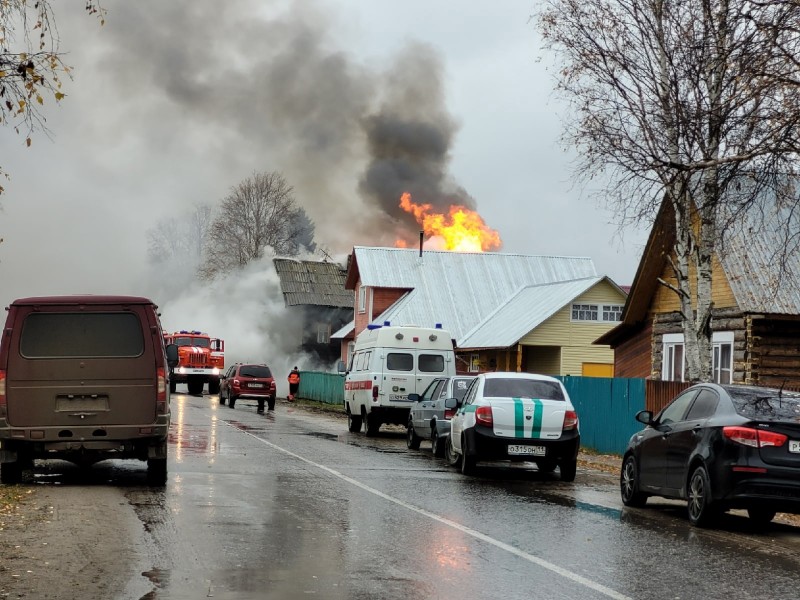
x=90, y=335
x=522, y=388
x=431, y=363
x=396, y=361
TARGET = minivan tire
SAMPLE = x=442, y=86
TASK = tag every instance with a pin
x=157, y=471
x=353, y=422
x=11, y=472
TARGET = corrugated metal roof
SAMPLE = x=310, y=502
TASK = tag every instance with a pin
x=344, y=331
x=764, y=279
x=457, y=289
x=528, y=309
x=317, y=283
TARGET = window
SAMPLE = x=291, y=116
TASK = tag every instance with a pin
x=722, y=357
x=351, y=347
x=323, y=333
x=522, y=388
x=362, y=299
x=612, y=313
x=672, y=369
x=431, y=363
x=599, y=313
x=474, y=363
x=95, y=335
x=704, y=406
x=675, y=411
x=397, y=361
x=584, y=312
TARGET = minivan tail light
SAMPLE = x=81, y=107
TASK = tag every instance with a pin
x=374, y=393
x=161, y=391
x=570, y=420
x=2, y=387
x=755, y=438
x=483, y=416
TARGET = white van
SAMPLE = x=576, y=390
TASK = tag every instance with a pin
x=389, y=363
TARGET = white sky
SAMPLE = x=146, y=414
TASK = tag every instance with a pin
x=173, y=103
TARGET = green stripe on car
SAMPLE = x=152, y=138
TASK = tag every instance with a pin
x=519, y=418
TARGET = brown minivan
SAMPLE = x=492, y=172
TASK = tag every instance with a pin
x=83, y=379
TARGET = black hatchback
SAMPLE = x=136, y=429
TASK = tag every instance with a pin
x=719, y=447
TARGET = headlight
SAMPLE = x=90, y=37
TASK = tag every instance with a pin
x=215, y=371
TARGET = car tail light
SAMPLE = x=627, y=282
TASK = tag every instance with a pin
x=374, y=393
x=449, y=412
x=483, y=416
x=161, y=391
x=756, y=438
x=2, y=387
x=272, y=386
x=570, y=420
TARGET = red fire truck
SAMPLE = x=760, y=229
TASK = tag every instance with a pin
x=201, y=360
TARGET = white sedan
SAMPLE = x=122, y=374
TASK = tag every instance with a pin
x=515, y=417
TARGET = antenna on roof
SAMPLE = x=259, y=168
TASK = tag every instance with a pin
x=326, y=255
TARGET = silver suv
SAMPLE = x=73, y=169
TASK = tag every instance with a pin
x=429, y=418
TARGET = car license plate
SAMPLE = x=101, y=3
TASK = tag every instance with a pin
x=514, y=450
x=397, y=398
x=257, y=385
x=794, y=445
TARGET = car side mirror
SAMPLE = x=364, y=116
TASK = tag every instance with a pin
x=645, y=416
x=172, y=355
x=451, y=403
x=413, y=397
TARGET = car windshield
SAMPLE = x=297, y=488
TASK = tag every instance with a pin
x=522, y=388
x=192, y=341
x=765, y=404
x=255, y=371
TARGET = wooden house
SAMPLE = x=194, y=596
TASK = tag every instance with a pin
x=316, y=290
x=756, y=307
x=504, y=311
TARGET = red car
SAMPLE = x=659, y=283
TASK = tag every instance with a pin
x=248, y=380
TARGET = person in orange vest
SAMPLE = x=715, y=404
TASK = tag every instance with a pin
x=294, y=383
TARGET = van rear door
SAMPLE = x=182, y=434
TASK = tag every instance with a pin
x=69, y=366
x=430, y=364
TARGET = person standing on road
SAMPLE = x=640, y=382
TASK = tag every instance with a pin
x=294, y=383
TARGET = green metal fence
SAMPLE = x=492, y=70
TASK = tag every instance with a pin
x=322, y=387
x=606, y=406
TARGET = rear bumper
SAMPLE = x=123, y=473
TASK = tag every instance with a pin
x=108, y=440
x=483, y=444
x=778, y=488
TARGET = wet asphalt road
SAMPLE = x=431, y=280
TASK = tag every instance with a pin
x=291, y=505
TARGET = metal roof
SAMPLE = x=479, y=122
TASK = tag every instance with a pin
x=761, y=258
x=522, y=313
x=461, y=290
x=305, y=282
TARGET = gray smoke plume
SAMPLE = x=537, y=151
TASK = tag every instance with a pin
x=255, y=87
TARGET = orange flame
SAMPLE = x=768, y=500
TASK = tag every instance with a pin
x=462, y=229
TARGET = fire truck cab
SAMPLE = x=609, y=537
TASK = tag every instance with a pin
x=201, y=360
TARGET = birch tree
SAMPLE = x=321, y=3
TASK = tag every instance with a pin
x=693, y=103
x=32, y=70
x=258, y=215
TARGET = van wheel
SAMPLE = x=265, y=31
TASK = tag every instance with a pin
x=412, y=439
x=11, y=472
x=195, y=386
x=157, y=471
x=213, y=386
x=353, y=422
x=370, y=425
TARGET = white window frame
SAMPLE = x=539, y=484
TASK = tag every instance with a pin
x=323, y=333
x=718, y=339
x=362, y=299
x=474, y=363
x=595, y=311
